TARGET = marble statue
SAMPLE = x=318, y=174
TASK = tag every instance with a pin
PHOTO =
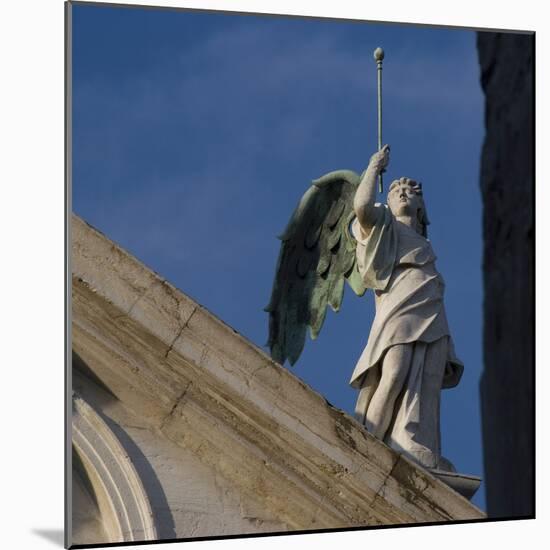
x=339, y=233
x=410, y=354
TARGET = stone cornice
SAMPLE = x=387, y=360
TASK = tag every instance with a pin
x=208, y=389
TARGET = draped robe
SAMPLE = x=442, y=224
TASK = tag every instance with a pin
x=399, y=265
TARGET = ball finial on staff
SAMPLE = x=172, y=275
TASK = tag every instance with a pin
x=378, y=57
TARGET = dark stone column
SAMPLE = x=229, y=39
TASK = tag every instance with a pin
x=507, y=186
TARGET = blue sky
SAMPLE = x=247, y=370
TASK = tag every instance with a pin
x=195, y=135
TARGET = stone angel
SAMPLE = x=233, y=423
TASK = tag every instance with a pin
x=339, y=233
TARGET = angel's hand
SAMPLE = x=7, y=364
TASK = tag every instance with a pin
x=380, y=160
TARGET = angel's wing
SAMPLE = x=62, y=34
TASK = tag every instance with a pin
x=317, y=255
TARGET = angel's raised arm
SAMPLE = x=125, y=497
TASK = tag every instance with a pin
x=363, y=202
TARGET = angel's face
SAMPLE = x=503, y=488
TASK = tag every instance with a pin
x=403, y=200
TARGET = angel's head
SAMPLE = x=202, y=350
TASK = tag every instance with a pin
x=405, y=199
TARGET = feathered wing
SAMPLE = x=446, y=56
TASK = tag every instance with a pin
x=317, y=255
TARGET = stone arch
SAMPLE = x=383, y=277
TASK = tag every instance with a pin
x=118, y=492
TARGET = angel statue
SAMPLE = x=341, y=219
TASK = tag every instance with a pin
x=339, y=233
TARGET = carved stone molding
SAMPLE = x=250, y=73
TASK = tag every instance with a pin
x=211, y=392
x=122, y=501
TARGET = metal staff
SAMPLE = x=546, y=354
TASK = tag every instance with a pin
x=378, y=57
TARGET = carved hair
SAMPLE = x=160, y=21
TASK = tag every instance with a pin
x=417, y=189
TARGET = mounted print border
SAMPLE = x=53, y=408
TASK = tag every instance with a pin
x=191, y=137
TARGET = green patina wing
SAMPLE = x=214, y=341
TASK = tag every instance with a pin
x=317, y=255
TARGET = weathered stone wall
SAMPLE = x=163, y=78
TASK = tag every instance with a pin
x=507, y=186
x=203, y=434
x=188, y=499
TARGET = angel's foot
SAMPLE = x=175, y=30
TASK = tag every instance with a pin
x=446, y=465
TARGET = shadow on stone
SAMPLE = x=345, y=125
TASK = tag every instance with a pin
x=164, y=521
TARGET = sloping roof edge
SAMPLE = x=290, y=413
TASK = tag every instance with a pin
x=208, y=389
